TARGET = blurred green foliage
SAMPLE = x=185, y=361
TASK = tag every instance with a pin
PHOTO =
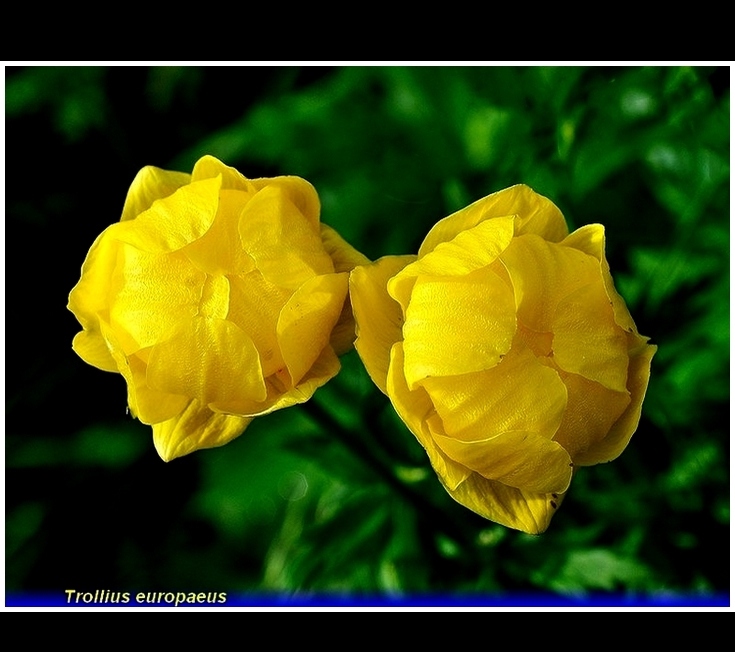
x=336, y=497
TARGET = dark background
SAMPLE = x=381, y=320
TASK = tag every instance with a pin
x=335, y=498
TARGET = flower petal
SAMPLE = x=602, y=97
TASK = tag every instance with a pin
x=255, y=305
x=209, y=167
x=591, y=240
x=417, y=412
x=591, y=411
x=639, y=372
x=345, y=258
x=151, y=294
x=457, y=325
x=219, y=250
x=209, y=359
x=468, y=251
x=150, y=184
x=194, y=428
x=146, y=404
x=535, y=214
x=543, y=273
x=511, y=507
x=519, y=394
x=587, y=341
x=174, y=221
x=306, y=321
x=378, y=317
x=296, y=190
x=286, y=246
x=519, y=459
x=90, y=296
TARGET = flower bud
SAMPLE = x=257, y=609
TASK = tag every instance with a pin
x=507, y=351
x=218, y=298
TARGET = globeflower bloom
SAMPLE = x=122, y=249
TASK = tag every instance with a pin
x=218, y=298
x=506, y=350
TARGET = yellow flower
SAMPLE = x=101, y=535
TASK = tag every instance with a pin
x=218, y=298
x=506, y=350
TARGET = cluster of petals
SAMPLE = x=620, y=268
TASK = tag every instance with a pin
x=506, y=350
x=218, y=298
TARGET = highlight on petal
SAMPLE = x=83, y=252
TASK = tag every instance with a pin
x=457, y=325
x=91, y=347
x=298, y=192
x=208, y=167
x=149, y=185
x=174, y=221
x=287, y=247
x=378, y=318
x=533, y=212
x=519, y=394
x=194, y=428
x=90, y=296
x=586, y=339
x=543, y=273
x=209, y=359
x=150, y=295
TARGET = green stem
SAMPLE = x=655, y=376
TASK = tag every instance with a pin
x=356, y=443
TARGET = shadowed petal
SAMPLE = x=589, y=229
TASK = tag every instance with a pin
x=194, y=428
x=378, y=317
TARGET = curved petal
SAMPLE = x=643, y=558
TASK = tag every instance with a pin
x=534, y=213
x=151, y=294
x=457, y=325
x=587, y=341
x=591, y=240
x=417, y=412
x=306, y=321
x=286, y=246
x=91, y=347
x=511, y=507
x=519, y=459
x=468, y=251
x=194, y=428
x=543, y=273
x=209, y=167
x=281, y=394
x=345, y=258
x=519, y=394
x=378, y=318
x=255, y=305
x=219, y=250
x=91, y=295
x=298, y=191
x=590, y=414
x=174, y=221
x=146, y=404
x=639, y=373
x=150, y=184
x=229, y=371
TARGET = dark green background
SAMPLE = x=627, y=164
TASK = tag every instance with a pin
x=335, y=498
